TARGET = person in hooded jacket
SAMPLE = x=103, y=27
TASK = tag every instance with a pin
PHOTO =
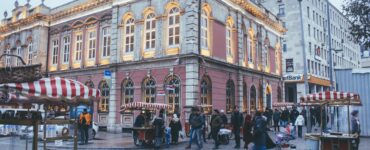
x=299, y=122
x=176, y=127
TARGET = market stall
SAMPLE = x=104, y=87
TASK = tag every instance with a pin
x=59, y=93
x=144, y=134
x=332, y=140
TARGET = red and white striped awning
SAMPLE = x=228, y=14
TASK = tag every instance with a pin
x=331, y=97
x=143, y=105
x=52, y=88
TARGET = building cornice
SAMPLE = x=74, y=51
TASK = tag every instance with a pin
x=23, y=22
x=260, y=14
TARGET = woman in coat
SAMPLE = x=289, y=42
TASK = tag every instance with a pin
x=247, y=131
x=175, y=126
x=300, y=123
x=356, y=129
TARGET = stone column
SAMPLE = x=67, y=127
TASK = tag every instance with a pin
x=112, y=125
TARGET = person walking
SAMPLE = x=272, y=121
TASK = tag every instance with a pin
x=85, y=122
x=176, y=127
x=247, y=131
x=284, y=117
x=237, y=122
x=139, y=122
x=276, y=118
x=304, y=114
x=293, y=115
x=196, y=123
x=158, y=124
x=299, y=122
x=356, y=128
x=216, y=124
x=259, y=132
x=268, y=115
x=203, y=130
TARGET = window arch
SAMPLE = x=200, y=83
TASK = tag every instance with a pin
x=253, y=99
x=127, y=91
x=172, y=86
x=150, y=31
x=206, y=93
x=174, y=27
x=230, y=96
x=149, y=90
x=104, y=99
x=129, y=35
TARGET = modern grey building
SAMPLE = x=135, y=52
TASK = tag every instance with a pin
x=316, y=46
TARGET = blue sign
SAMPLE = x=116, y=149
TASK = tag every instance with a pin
x=107, y=73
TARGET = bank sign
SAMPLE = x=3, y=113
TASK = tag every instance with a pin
x=295, y=77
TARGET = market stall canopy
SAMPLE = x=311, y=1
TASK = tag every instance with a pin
x=47, y=89
x=331, y=98
x=143, y=105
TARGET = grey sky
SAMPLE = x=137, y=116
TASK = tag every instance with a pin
x=8, y=5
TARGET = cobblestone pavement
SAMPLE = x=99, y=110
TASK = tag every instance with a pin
x=111, y=141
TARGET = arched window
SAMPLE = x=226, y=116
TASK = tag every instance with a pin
x=89, y=84
x=150, y=31
x=206, y=93
x=174, y=27
x=19, y=53
x=279, y=94
x=172, y=87
x=230, y=96
x=149, y=90
x=104, y=99
x=129, y=35
x=127, y=91
x=30, y=53
x=253, y=99
x=204, y=30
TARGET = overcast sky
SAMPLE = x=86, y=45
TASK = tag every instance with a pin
x=8, y=5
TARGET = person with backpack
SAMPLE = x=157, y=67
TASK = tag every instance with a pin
x=237, y=121
x=84, y=122
x=259, y=132
x=216, y=124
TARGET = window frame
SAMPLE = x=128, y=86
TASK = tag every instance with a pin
x=229, y=35
x=150, y=42
x=106, y=42
x=204, y=29
x=128, y=91
x=55, y=51
x=30, y=53
x=19, y=51
x=149, y=90
x=78, y=47
x=105, y=97
x=66, y=49
x=230, y=96
x=129, y=35
x=174, y=13
x=91, y=44
x=8, y=59
x=173, y=82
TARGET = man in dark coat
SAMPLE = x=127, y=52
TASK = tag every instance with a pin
x=284, y=117
x=223, y=117
x=196, y=123
x=216, y=124
x=237, y=121
x=259, y=132
x=175, y=126
x=355, y=127
x=293, y=115
x=139, y=122
x=158, y=124
x=276, y=118
x=312, y=115
x=304, y=114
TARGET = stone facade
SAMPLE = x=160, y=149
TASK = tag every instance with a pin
x=238, y=63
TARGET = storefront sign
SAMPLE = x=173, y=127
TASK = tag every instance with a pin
x=297, y=77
